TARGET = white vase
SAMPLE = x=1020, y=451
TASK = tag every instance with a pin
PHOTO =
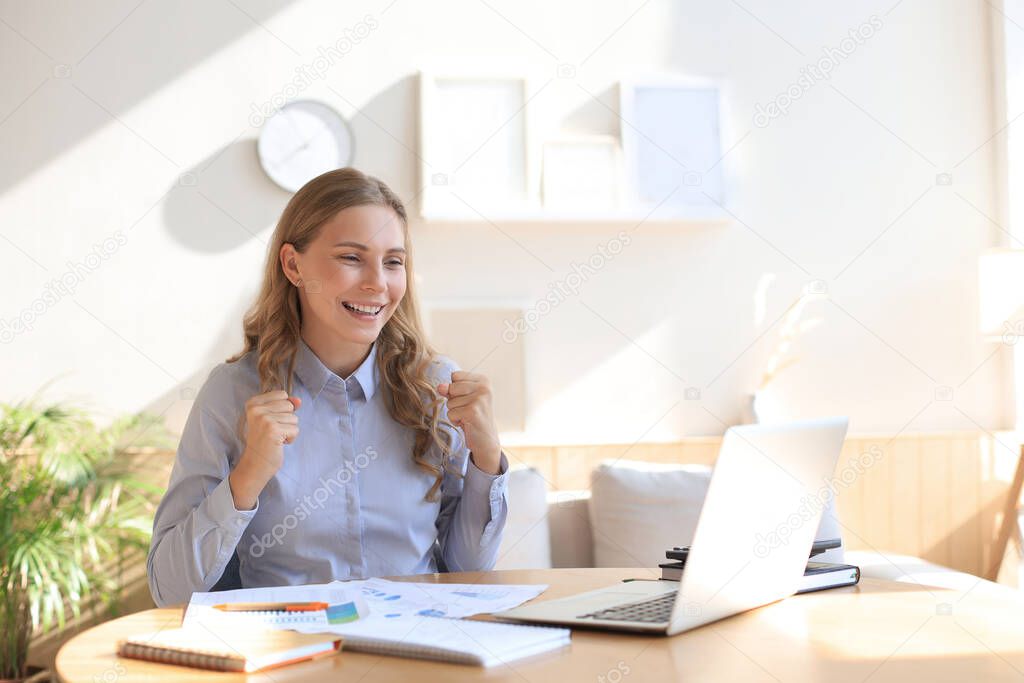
x=766, y=407
x=747, y=414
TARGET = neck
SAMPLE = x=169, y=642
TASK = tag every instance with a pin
x=340, y=356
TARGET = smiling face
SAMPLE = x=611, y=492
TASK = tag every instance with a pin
x=353, y=278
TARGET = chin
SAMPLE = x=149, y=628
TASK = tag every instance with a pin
x=363, y=336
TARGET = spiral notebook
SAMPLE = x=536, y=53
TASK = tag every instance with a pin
x=461, y=641
x=344, y=604
x=234, y=649
x=314, y=621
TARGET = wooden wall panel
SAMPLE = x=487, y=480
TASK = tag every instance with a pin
x=906, y=469
x=935, y=496
x=874, y=529
x=964, y=500
x=541, y=458
x=936, y=511
x=850, y=494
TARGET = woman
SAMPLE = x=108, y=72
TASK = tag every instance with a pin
x=356, y=469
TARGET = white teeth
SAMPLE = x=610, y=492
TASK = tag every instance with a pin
x=371, y=310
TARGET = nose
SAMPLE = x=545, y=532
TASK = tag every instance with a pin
x=374, y=280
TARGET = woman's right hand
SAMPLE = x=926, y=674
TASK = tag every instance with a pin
x=270, y=423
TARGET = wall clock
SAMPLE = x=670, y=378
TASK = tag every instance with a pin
x=304, y=139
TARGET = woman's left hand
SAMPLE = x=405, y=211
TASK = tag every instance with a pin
x=469, y=407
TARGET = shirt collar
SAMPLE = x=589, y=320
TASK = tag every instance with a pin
x=315, y=375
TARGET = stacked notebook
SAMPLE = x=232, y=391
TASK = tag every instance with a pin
x=207, y=646
x=817, y=576
x=460, y=641
x=242, y=631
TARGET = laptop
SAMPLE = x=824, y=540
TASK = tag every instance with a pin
x=756, y=528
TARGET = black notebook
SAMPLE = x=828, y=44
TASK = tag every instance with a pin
x=818, y=575
x=680, y=553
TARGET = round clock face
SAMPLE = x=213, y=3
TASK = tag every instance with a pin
x=302, y=140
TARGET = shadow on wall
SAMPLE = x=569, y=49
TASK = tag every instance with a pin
x=224, y=201
x=386, y=137
x=175, y=403
x=598, y=115
x=88, y=65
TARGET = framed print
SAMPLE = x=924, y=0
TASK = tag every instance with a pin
x=672, y=144
x=474, y=146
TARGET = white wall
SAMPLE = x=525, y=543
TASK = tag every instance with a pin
x=166, y=89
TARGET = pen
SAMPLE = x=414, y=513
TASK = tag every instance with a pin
x=272, y=607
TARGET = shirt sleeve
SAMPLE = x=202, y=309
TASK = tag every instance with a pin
x=474, y=509
x=197, y=528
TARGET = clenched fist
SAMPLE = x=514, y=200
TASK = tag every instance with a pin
x=469, y=408
x=270, y=423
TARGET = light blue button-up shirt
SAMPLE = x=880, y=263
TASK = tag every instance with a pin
x=347, y=503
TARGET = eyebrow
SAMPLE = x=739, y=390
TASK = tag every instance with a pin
x=363, y=247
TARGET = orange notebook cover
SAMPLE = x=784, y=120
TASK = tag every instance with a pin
x=237, y=649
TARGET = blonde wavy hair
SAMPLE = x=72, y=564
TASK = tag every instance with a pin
x=271, y=326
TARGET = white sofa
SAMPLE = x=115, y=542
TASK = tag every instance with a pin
x=634, y=511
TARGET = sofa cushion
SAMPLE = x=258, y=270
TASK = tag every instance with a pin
x=638, y=510
x=569, y=525
x=526, y=542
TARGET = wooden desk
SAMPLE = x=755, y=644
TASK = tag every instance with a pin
x=879, y=630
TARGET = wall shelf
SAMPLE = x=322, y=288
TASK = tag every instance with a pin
x=546, y=216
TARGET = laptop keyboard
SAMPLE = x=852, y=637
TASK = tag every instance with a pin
x=651, y=611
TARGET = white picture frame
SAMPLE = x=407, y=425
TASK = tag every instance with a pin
x=475, y=146
x=672, y=132
x=582, y=173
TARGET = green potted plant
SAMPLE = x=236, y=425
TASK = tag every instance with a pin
x=73, y=501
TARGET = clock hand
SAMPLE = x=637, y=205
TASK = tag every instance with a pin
x=292, y=153
x=291, y=122
x=298, y=149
